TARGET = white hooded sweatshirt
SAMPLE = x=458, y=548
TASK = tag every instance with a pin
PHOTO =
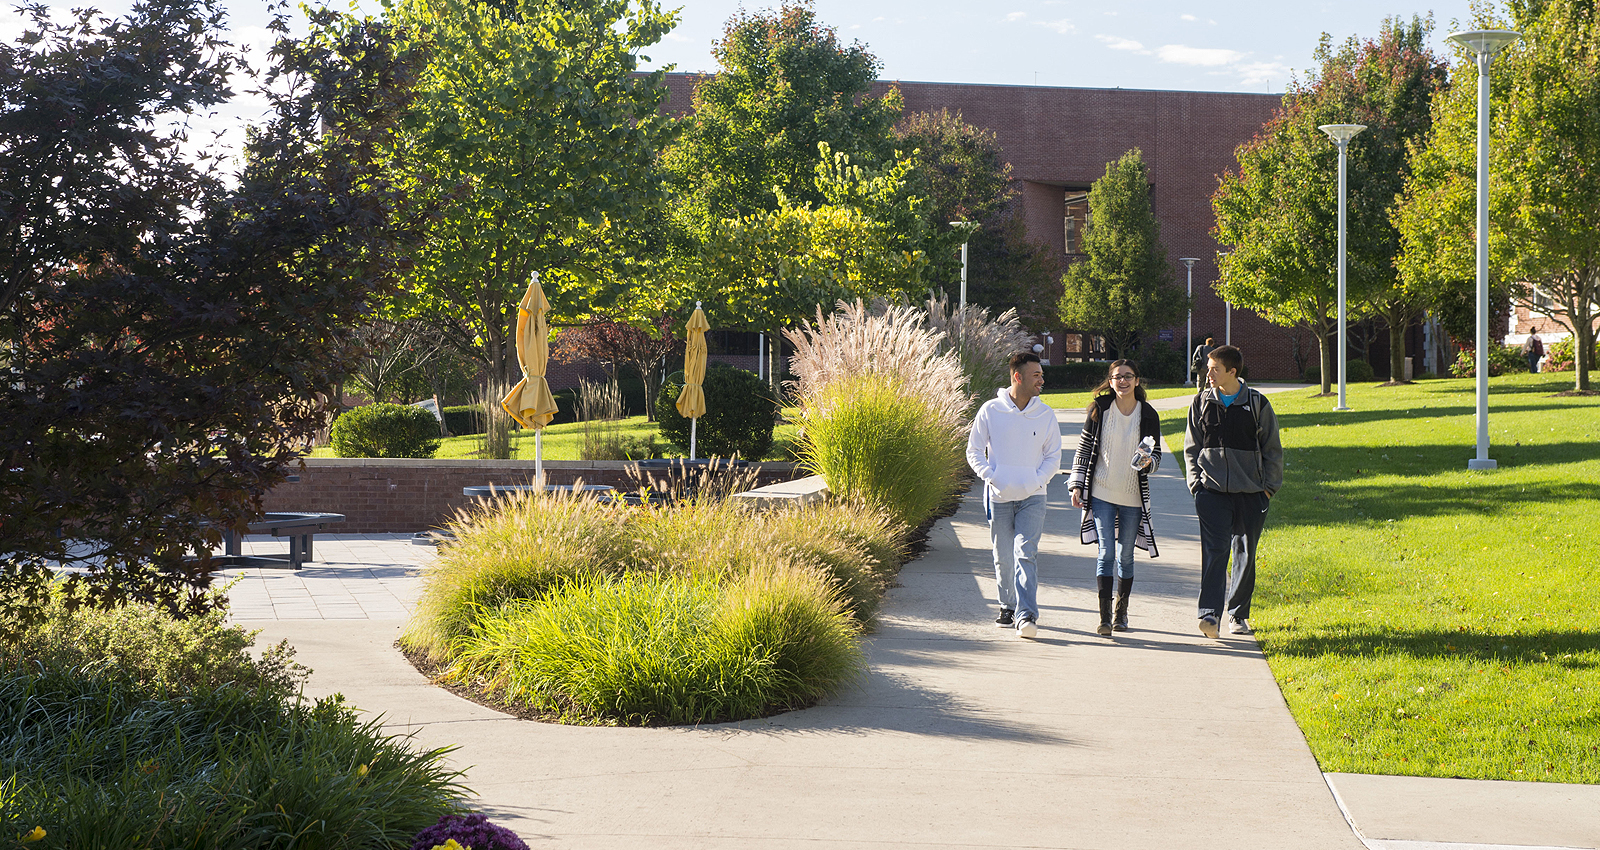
x=1023, y=447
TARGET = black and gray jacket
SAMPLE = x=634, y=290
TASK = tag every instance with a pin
x=1234, y=449
x=1083, y=472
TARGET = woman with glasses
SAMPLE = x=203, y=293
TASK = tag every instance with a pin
x=1111, y=482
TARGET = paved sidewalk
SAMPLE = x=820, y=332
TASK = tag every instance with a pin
x=961, y=735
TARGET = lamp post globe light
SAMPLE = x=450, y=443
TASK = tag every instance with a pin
x=1341, y=134
x=1484, y=44
x=1188, y=333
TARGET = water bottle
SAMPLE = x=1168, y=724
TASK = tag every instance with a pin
x=1143, y=455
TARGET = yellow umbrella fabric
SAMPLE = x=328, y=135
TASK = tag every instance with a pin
x=692, y=401
x=530, y=401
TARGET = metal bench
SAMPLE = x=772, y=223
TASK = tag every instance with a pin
x=299, y=527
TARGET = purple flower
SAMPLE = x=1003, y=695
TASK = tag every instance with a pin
x=470, y=831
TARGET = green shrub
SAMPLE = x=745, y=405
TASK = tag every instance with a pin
x=386, y=430
x=463, y=419
x=1503, y=359
x=513, y=547
x=1160, y=363
x=845, y=555
x=740, y=415
x=874, y=443
x=644, y=648
x=1560, y=354
x=97, y=763
x=1075, y=374
x=1355, y=370
x=145, y=647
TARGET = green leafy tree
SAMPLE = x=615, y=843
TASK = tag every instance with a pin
x=1277, y=213
x=535, y=131
x=168, y=339
x=962, y=173
x=1544, y=174
x=1125, y=287
x=770, y=269
x=784, y=85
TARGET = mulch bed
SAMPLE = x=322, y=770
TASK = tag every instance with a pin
x=1571, y=393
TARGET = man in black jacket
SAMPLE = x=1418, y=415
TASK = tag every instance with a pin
x=1233, y=463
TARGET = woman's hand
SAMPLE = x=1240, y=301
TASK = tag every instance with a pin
x=1077, y=497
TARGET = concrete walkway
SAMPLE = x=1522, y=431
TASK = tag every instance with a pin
x=961, y=735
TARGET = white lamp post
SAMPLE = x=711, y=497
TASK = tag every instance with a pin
x=1484, y=44
x=966, y=228
x=1341, y=134
x=1188, y=333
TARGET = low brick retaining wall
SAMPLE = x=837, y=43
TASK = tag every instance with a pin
x=387, y=495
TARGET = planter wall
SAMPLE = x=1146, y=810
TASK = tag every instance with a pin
x=394, y=495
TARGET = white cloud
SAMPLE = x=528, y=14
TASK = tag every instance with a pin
x=1118, y=43
x=1063, y=26
x=1256, y=73
x=1016, y=16
x=1186, y=17
x=1210, y=57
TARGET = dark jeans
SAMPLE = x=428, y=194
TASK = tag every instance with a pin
x=1533, y=361
x=1230, y=524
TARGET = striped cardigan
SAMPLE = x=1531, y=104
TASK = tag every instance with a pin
x=1083, y=472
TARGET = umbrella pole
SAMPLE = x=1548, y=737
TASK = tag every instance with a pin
x=538, y=457
x=693, y=424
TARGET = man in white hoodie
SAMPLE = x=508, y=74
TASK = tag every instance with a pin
x=1015, y=447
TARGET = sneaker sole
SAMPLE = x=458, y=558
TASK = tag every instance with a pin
x=1208, y=629
x=1027, y=630
x=1103, y=629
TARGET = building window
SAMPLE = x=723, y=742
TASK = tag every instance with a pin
x=1076, y=219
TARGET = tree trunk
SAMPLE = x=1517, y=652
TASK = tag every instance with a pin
x=1397, y=346
x=1582, y=352
x=647, y=374
x=1325, y=346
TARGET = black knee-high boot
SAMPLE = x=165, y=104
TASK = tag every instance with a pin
x=1105, y=604
x=1124, y=587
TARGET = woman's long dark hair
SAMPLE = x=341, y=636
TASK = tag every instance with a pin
x=1104, y=388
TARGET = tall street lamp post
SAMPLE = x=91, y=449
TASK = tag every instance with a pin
x=966, y=228
x=1484, y=44
x=1341, y=134
x=1188, y=333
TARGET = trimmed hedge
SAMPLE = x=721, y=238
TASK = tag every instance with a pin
x=386, y=430
x=740, y=414
x=1160, y=363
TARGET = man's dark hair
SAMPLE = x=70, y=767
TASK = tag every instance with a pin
x=1228, y=357
x=1022, y=358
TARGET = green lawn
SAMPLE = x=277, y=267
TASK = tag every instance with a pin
x=1429, y=621
x=565, y=442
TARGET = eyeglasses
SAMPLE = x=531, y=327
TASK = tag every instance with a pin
x=1123, y=378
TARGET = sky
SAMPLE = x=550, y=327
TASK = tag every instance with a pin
x=1140, y=44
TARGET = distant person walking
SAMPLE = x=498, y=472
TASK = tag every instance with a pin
x=1119, y=447
x=1533, y=351
x=1015, y=447
x=1197, y=360
x=1233, y=463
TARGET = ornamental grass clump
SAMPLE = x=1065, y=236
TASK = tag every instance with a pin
x=877, y=443
x=982, y=345
x=92, y=761
x=647, y=648
x=516, y=546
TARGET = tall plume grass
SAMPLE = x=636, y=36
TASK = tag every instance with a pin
x=982, y=345
x=891, y=339
x=495, y=441
x=883, y=408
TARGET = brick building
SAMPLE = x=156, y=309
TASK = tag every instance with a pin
x=1058, y=141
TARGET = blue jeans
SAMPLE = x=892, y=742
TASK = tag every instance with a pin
x=1119, y=523
x=1014, y=531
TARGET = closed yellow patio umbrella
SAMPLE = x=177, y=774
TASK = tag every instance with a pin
x=692, y=401
x=530, y=401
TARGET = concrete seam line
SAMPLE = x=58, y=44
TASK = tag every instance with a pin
x=1345, y=810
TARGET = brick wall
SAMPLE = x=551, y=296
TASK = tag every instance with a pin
x=386, y=495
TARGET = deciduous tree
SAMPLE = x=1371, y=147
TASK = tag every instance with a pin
x=1125, y=287
x=1545, y=173
x=167, y=338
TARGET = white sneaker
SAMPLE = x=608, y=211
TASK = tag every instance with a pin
x=1239, y=627
x=1208, y=626
x=1026, y=629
